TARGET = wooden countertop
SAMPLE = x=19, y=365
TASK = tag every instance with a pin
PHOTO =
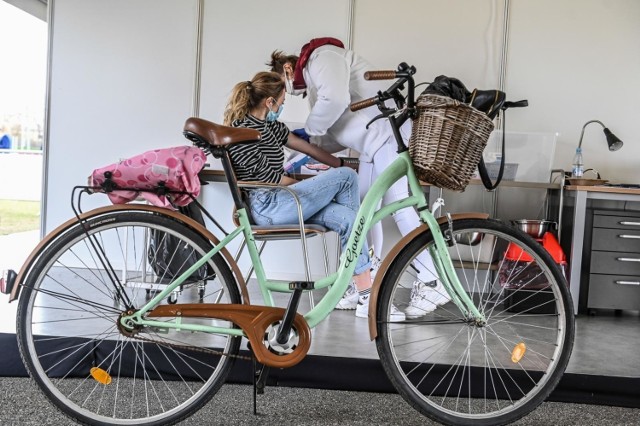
x=604, y=189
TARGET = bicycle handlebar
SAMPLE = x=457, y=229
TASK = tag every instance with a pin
x=404, y=74
x=380, y=75
x=366, y=103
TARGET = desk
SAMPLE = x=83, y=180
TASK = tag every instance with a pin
x=210, y=175
x=582, y=194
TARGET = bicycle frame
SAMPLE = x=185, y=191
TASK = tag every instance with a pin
x=454, y=365
x=367, y=216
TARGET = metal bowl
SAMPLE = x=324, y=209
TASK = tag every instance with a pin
x=469, y=238
x=535, y=228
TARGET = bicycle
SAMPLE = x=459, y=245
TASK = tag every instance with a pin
x=105, y=353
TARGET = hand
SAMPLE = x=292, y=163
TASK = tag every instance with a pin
x=301, y=133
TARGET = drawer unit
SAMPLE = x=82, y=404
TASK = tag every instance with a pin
x=614, y=292
x=614, y=272
x=615, y=222
x=616, y=240
x=612, y=262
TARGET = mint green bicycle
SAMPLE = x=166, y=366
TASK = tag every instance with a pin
x=105, y=351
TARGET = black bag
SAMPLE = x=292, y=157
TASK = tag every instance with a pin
x=448, y=86
x=168, y=259
x=490, y=102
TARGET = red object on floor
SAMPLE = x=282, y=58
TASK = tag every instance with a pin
x=551, y=244
x=548, y=241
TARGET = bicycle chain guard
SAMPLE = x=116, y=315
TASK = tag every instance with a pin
x=253, y=320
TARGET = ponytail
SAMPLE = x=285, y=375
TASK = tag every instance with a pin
x=247, y=95
x=238, y=106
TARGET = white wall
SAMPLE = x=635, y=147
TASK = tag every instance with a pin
x=123, y=72
x=460, y=38
x=575, y=61
x=121, y=83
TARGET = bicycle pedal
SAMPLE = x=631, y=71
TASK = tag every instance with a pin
x=301, y=285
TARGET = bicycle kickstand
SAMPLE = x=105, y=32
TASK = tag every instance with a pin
x=260, y=375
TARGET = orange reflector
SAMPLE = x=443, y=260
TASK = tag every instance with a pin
x=518, y=352
x=100, y=375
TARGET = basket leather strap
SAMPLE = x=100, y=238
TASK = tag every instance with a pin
x=482, y=169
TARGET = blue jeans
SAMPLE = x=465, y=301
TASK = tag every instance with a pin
x=330, y=199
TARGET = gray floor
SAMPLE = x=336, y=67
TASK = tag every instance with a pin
x=23, y=404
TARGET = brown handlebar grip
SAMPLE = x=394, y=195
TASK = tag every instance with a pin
x=362, y=104
x=380, y=75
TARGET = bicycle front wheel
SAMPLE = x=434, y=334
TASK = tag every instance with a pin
x=456, y=371
x=69, y=335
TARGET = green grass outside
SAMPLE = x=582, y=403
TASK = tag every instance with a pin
x=19, y=216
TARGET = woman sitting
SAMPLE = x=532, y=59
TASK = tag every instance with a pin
x=330, y=199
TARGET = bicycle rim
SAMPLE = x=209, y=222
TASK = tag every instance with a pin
x=69, y=337
x=458, y=372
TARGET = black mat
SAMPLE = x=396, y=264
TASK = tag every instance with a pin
x=352, y=374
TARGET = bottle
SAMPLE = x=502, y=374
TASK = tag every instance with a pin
x=578, y=164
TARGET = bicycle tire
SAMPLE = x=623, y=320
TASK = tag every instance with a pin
x=67, y=315
x=459, y=373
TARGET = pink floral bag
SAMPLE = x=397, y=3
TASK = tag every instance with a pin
x=174, y=168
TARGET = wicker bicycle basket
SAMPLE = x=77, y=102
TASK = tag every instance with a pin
x=447, y=140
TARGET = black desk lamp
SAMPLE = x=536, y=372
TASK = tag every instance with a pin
x=612, y=140
x=614, y=143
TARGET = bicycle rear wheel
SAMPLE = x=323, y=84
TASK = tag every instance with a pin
x=457, y=372
x=70, y=339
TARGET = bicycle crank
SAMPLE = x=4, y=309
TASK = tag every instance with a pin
x=271, y=340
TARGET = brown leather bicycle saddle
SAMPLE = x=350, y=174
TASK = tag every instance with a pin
x=218, y=135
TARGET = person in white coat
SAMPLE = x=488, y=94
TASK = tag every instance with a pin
x=332, y=78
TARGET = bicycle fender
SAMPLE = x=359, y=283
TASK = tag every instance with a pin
x=391, y=256
x=66, y=226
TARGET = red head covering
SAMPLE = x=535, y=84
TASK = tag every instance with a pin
x=305, y=52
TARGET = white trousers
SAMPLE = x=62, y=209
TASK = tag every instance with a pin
x=406, y=219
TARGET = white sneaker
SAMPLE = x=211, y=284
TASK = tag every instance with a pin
x=349, y=300
x=362, y=311
x=426, y=298
x=441, y=296
x=375, y=265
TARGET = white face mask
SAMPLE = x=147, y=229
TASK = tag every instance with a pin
x=288, y=84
